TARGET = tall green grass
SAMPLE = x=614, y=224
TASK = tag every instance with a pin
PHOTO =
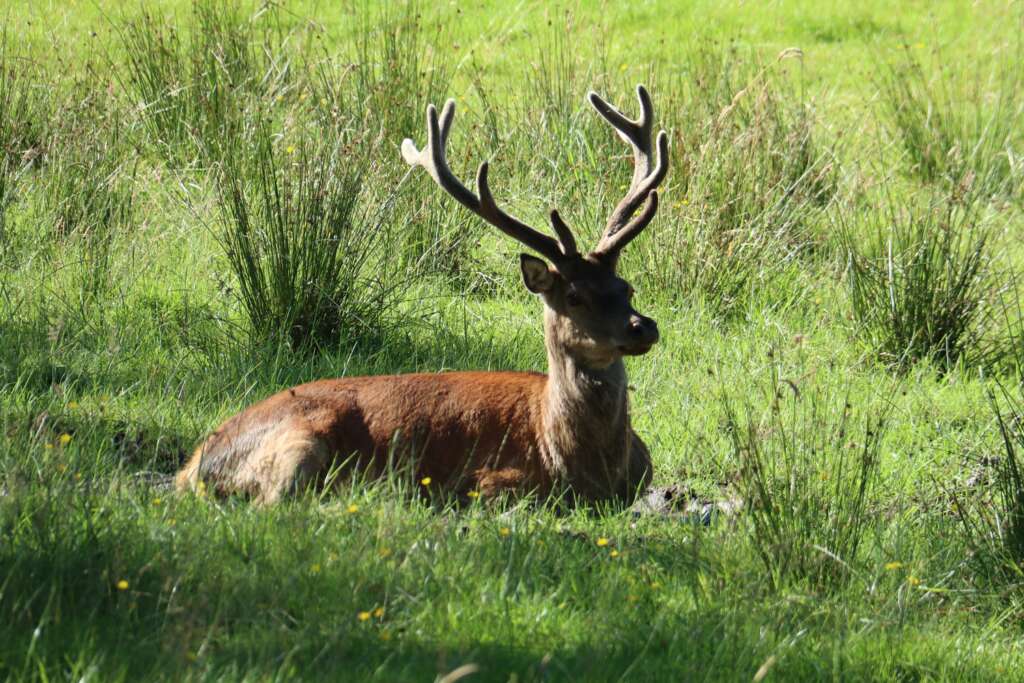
x=193, y=84
x=990, y=512
x=920, y=282
x=751, y=176
x=88, y=182
x=953, y=125
x=303, y=253
x=87, y=188
x=809, y=470
x=398, y=64
x=24, y=119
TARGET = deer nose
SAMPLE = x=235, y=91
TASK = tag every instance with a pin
x=642, y=329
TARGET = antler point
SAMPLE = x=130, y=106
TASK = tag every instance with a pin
x=409, y=152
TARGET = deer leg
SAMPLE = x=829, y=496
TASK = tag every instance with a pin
x=492, y=483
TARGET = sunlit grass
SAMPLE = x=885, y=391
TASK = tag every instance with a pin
x=244, y=162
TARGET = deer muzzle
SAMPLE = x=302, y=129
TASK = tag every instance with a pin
x=641, y=335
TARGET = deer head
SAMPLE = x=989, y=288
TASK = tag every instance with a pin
x=589, y=312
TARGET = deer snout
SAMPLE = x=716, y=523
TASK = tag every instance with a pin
x=641, y=333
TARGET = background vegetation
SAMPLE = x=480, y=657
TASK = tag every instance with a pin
x=203, y=202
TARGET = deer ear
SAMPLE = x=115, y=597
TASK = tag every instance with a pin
x=537, y=276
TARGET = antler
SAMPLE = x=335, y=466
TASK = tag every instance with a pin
x=622, y=226
x=432, y=158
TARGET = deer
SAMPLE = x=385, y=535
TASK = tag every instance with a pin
x=476, y=433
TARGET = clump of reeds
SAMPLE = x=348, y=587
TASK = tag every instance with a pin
x=920, y=282
x=951, y=127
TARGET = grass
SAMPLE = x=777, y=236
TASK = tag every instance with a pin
x=88, y=189
x=809, y=467
x=753, y=178
x=953, y=127
x=23, y=121
x=991, y=510
x=192, y=82
x=291, y=232
x=921, y=285
x=259, y=229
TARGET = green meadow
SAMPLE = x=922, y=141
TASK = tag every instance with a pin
x=203, y=203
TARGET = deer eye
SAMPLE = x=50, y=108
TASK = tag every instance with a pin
x=573, y=298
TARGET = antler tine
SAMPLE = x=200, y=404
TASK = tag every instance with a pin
x=432, y=158
x=622, y=227
x=565, y=238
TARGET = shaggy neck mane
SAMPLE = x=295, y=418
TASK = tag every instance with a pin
x=586, y=418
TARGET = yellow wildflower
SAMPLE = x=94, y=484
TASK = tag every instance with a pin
x=504, y=531
x=157, y=501
x=353, y=508
x=602, y=542
x=315, y=569
x=913, y=581
x=64, y=439
x=614, y=553
x=363, y=616
x=122, y=585
x=890, y=566
x=379, y=612
x=426, y=481
x=473, y=494
x=290, y=149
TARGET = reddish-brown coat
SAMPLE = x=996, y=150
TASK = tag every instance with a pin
x=464, y=430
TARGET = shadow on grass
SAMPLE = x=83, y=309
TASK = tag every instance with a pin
x=138, y=443
x=113, y=582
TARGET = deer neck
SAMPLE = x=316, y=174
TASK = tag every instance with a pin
x=586, y=413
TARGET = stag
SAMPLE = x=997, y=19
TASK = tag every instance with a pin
x=479, y=433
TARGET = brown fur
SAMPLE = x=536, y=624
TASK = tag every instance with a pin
x=464, y=430
x=491, y=431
